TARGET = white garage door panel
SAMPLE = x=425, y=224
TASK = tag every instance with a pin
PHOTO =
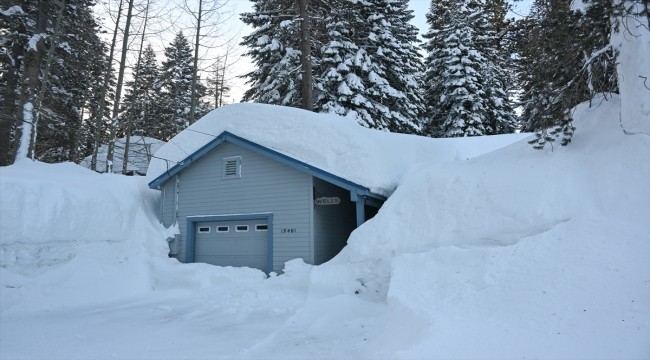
x=232, y=248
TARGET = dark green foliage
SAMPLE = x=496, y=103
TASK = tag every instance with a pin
x=143, y=98
x=464, y=80
x=73, y=78
x=175, y=93
x=564, y=60
x=364, y=59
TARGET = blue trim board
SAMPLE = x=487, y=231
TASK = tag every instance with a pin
x=361, y=213
x=190, y=247
x=262, y=150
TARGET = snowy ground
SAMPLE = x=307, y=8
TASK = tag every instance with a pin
x=513, y=254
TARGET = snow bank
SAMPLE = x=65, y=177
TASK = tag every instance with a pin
x=43, y=203
x=372, y=158
x=527, y=253
x=72, y=237
x=141, y=148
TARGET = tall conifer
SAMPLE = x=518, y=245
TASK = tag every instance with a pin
x=175, y=84
x=464, y=83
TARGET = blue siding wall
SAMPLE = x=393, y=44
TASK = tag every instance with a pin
x=332, y=223
x=168, y=202
x=265, y=186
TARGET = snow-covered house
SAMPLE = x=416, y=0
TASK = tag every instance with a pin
x=257, y=185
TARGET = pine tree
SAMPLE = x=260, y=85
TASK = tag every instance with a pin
x=142, y=99
x=175, y=84
x=390, y=42
x=70, y=86
x=343, y=67
x=275, y=50
x=364, y=59
x=464, y=83
x=564, y=60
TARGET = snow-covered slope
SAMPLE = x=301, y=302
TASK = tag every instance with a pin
x=526, y=253
x=515, y=253
x=372, y=158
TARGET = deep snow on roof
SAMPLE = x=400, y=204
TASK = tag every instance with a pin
x=338, y=145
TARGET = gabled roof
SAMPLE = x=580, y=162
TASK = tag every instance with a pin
x=262, y=150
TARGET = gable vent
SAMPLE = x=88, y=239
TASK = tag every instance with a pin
x=231, y=167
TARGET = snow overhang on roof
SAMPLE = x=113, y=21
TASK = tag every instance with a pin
x=284, y=159
x=331, y=147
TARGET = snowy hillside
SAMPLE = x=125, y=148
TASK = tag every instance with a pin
x=515, y=253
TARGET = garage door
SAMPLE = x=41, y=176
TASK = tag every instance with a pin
x=233, y=243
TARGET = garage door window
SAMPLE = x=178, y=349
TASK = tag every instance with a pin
x=223, y=228
x=261, y=227
x=241, y=228
x=204, y=229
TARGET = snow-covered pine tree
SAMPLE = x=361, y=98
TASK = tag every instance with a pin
x=79, y=50
x=69, y=86
x=175, y=84
x=275, y=50
x=453, y=80
x=343, y=67
x=364, y=60
x=392, y=85
x=501, y=77
x=142, y=99
x=464, y=87
x=564, y=60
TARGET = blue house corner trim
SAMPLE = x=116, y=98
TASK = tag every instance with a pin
x=354, y=188
x=190, y=246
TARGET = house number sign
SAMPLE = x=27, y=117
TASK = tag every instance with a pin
x=327, y=201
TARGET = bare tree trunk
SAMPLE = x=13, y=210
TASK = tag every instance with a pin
x=8, y=110
x=99, y=115
x=305, y=56
x=75, y=143
x=196, y=62
x=32, y=66
x=46, y=74
x=118, y=92
x=135, y=94
x=223, y=79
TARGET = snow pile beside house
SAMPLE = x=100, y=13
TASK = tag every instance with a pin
x=141, y=149
x=338, y=145
x=527, y=253
x=72, y=237
x=46, y=208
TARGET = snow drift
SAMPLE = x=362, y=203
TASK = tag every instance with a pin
x=527, y=253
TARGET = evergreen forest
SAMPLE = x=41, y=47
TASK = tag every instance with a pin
x=71, y=82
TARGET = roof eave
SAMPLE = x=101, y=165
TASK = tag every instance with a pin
x=262, y=150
